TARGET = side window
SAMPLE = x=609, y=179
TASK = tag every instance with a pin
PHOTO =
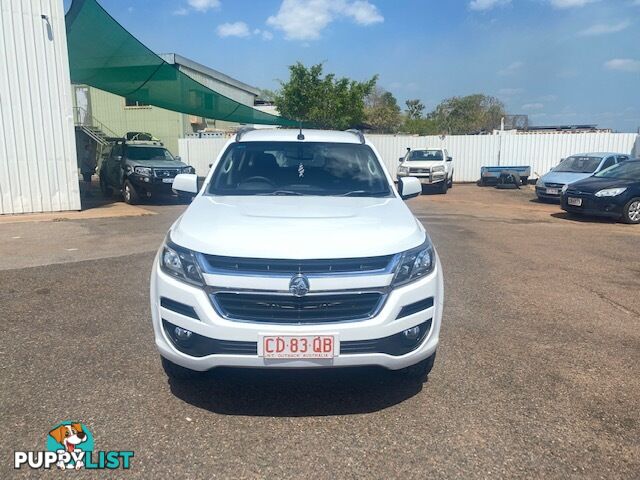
x=610, y=161
x=622, y=158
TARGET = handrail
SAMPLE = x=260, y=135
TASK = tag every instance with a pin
x=92, y=121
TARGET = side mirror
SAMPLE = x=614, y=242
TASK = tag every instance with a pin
x=186, y=183
x=409, y=187
x=449, y=159
x=177, y=158
x=401, y=159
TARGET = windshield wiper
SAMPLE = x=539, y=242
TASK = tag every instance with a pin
x=281, y=192
x=362, y=192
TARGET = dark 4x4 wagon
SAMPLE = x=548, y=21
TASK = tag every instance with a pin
x=140, y=169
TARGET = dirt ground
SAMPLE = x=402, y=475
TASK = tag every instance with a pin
x=537, y=375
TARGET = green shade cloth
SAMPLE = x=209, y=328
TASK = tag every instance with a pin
x=106, y=56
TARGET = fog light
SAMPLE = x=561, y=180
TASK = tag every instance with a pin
x=182, y=334
x=411, y=333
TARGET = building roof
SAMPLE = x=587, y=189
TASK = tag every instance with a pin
x=175, y=59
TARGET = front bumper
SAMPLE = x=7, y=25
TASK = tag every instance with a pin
x=152, y=185
x=541, y=192
x=245, y=334
x=611, y=207
x=427, y=179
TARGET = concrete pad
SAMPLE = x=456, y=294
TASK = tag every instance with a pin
x=108, y=210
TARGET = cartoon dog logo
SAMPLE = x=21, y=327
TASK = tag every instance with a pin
x=69, y=436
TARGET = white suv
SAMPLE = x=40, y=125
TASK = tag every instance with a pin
x=431, y=166
x=297, y=252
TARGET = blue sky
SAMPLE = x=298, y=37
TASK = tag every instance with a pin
x=559, y=61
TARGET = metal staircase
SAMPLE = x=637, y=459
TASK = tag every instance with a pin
x=92, y=127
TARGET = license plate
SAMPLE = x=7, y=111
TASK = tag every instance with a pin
x=167, y=180
x=298, y=346
x=553, y=191
x=576, y=202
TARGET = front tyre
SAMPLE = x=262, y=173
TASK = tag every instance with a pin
x=176, y=372
x=129, y=193
x=631, y=211
x=420, y=371
x=444, y=186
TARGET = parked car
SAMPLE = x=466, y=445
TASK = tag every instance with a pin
x=430, y=166
x=297, y=252
x=140, y=168
x=572, y=169
x=614, y=192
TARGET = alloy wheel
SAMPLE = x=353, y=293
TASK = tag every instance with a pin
x=634, y=211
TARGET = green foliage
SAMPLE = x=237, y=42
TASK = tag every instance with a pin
x=420, y=126
x=470, y=114
x=415, y=109
x=382, y=112
x=322, y=101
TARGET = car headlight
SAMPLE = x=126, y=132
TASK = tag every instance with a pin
x=438, y=168
x=144, y=171
x=611, y=192
x=564, y=188
x=180, y=263
x=403, y=170
x=414, y=263
x=188, y=170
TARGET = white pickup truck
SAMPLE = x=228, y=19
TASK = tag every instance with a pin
x=297, y=252
x=432, y=166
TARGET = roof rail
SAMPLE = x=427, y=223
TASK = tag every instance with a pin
x=358, y=133
x=242, y=131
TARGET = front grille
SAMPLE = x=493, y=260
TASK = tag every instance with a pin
x=554, y=185
x=419, y=170
x=287, y=309
x=279, y=266
x=165, y=172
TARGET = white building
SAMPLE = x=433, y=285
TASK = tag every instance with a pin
x=38, y=168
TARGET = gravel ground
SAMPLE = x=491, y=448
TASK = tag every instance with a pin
x=538, y=372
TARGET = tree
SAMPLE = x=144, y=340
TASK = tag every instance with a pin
x=420, y=126
x=470, y=114
x=322, y=101
x=415, y=108
x=382, y=112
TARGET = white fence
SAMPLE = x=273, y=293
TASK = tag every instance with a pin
x=469, y=152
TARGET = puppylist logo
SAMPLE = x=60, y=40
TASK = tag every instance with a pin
x=70, y=446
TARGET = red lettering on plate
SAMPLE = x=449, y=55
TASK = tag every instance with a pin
x=267, y=348
x=327, y=344
x=279, y=345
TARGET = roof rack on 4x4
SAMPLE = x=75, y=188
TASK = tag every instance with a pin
x=358, y=133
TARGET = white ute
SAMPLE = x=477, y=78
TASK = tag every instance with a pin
x=297, y=252
x=432, y=166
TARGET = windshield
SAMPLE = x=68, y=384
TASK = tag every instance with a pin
x=148, y=153
x=425, y=155
x=578, y=164
x=290, y=168
x=622, y=171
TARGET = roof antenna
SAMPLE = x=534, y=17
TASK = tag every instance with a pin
x=300, y=135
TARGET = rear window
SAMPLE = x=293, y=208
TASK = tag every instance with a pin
x=299, y=168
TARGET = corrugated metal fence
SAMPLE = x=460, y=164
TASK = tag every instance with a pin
x=469, y=152
x=38, y=169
